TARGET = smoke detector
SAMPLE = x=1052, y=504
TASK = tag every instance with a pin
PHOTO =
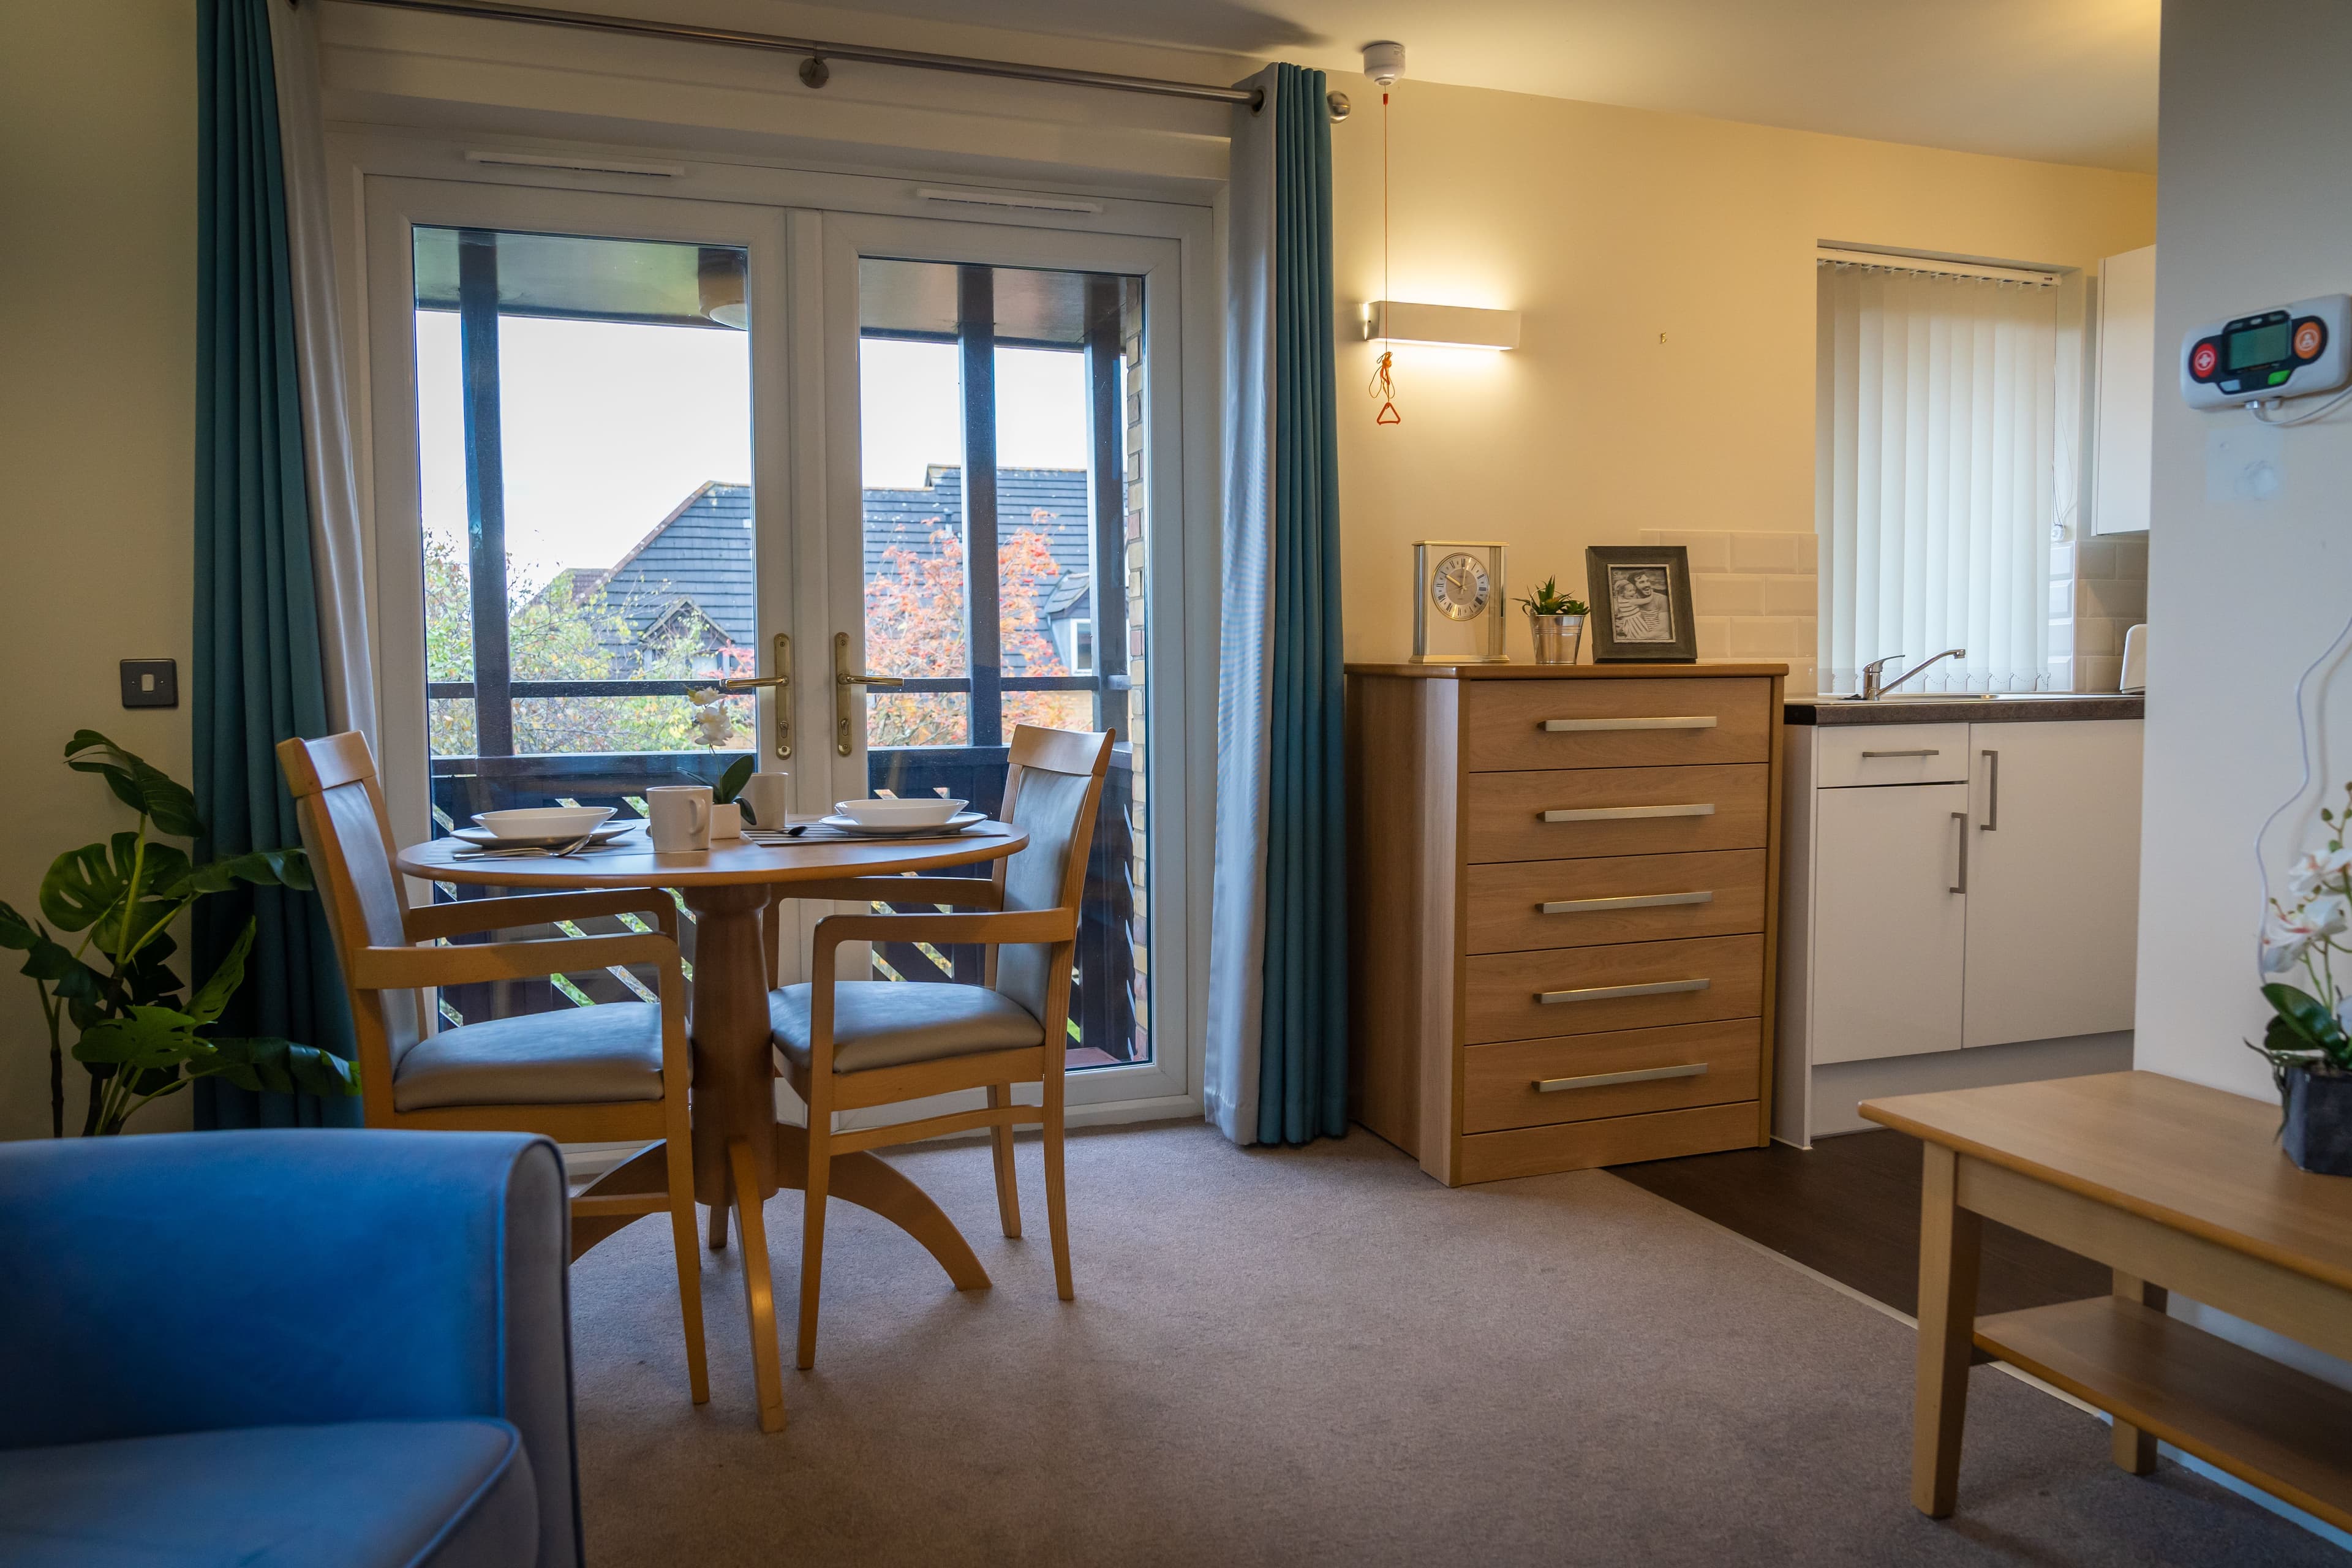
x=1384, y=62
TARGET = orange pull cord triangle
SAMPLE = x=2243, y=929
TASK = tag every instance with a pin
x=1385, y=390
x=1389, y=416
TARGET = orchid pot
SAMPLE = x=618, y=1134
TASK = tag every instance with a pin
x=2308, y=1038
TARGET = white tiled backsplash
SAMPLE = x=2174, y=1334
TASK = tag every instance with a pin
x=1756, y=594
x=1759, y=596
x=2098, y=589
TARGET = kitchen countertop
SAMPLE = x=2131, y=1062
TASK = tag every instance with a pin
x=2004, y=709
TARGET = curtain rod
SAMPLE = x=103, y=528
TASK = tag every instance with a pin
x=813, y=71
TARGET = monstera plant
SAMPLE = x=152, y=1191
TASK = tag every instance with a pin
x=101, y=956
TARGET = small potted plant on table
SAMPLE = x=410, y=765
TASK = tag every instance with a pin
x=2308, y=1040
x=1556, y=622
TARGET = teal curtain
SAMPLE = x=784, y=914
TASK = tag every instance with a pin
x=1303, y=1055
x=260, y=673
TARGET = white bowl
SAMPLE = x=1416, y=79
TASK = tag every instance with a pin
x=545, y=822
x=915, y=811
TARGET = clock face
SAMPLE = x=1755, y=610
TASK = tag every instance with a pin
x=1459, y=587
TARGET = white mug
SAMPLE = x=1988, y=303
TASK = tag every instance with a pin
x=764, y=795
x=681, y=817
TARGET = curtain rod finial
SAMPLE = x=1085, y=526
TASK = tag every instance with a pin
x=1338, y=105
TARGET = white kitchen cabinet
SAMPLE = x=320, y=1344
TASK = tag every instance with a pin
x=1889, y=923
x=2053, y=879
x=2125, y=394
x=1901, y=968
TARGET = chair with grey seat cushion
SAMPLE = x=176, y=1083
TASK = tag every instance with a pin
x=614, y=1073
x=847, y=1044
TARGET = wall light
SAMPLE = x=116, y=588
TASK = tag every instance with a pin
x=1448, y=326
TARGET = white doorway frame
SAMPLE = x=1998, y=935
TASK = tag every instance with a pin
x=797, y=226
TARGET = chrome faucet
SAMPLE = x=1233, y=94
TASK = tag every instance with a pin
x=1873, y=687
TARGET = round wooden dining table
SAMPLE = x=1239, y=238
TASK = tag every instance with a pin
x=743, y=1154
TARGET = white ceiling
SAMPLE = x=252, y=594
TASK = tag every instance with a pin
x=2070, y=81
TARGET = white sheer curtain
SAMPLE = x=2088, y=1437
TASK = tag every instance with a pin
x=1939, y=459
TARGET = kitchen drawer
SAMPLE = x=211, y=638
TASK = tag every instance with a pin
x=1618, y=1074
x=1607, y=1140
x=1589, y=724
x=1614, y=810
x=1595, y=989
x=1890, y=755
x=1580, y=903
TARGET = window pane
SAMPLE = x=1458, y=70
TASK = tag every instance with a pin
x=1058, y=424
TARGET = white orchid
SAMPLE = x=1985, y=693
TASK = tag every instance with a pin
x=716, y=725
x=2313, y=870
x=706, y=696
x=2284, y=945
x=2327, y=916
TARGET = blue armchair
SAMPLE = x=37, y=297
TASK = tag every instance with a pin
x=332, y=1349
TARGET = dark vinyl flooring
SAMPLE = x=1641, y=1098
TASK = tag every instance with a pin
x=1849, y=1207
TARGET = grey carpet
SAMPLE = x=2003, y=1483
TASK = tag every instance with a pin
x=1316, y=1357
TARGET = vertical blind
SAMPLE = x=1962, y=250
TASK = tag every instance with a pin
x=1938, y=475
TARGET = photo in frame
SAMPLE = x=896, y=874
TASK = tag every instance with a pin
x=1642, y=611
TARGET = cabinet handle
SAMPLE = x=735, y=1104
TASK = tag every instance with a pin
x=1961, y=818
x=1626, y=812
x=1638, y=902
x=1605, y=993
x=1922, y=752
x=1603, y=1079
x=1577, y=726
x=1993, y=792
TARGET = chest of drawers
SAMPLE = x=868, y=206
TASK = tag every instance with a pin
x=1564, y=885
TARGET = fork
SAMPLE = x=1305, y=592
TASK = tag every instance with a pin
x=568, y=850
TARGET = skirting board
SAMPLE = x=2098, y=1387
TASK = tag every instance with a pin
x=1838, y=1087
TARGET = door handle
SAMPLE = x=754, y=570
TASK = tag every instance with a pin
x=1576, y=726
x=1625, y=813
x=782, y=682
x=1960, y=818
x=845, y=682
x=1993, y=792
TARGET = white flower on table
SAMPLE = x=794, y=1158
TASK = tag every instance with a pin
x=2287, y=937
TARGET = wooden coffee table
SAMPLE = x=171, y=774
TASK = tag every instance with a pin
x=743, y=1154
x=2173, y=1185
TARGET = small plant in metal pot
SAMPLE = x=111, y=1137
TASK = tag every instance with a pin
x=1556, y=622
x=2308, y=1040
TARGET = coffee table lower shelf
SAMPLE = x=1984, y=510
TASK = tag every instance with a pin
x=2265, y=1422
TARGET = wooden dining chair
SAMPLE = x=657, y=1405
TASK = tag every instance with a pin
x=845, y=1044
x=612, y=1073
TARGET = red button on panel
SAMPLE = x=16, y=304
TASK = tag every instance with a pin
x=2307, y=339
x=2202, y=361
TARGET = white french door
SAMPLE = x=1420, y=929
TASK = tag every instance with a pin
x=625, y=444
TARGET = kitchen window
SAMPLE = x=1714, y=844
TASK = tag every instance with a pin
x=1944, y=442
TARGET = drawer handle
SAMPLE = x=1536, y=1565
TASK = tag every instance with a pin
x=1603, y=1079
x=1607, y=993
x=1626, y=812
x=1639, y=901
x=1922, y=752
x=1577, y=726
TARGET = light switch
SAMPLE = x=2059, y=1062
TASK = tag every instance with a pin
x=151, y=683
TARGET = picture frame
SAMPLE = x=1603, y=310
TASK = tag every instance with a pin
x=1642, y=610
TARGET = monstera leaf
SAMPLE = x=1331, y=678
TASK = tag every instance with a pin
x=136, y=783
x=213, y=996
x=141, y=1040
x=262, y=867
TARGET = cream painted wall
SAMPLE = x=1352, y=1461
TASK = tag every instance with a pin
x=1663, y=267
x=2222, y=748
x=98, y=126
